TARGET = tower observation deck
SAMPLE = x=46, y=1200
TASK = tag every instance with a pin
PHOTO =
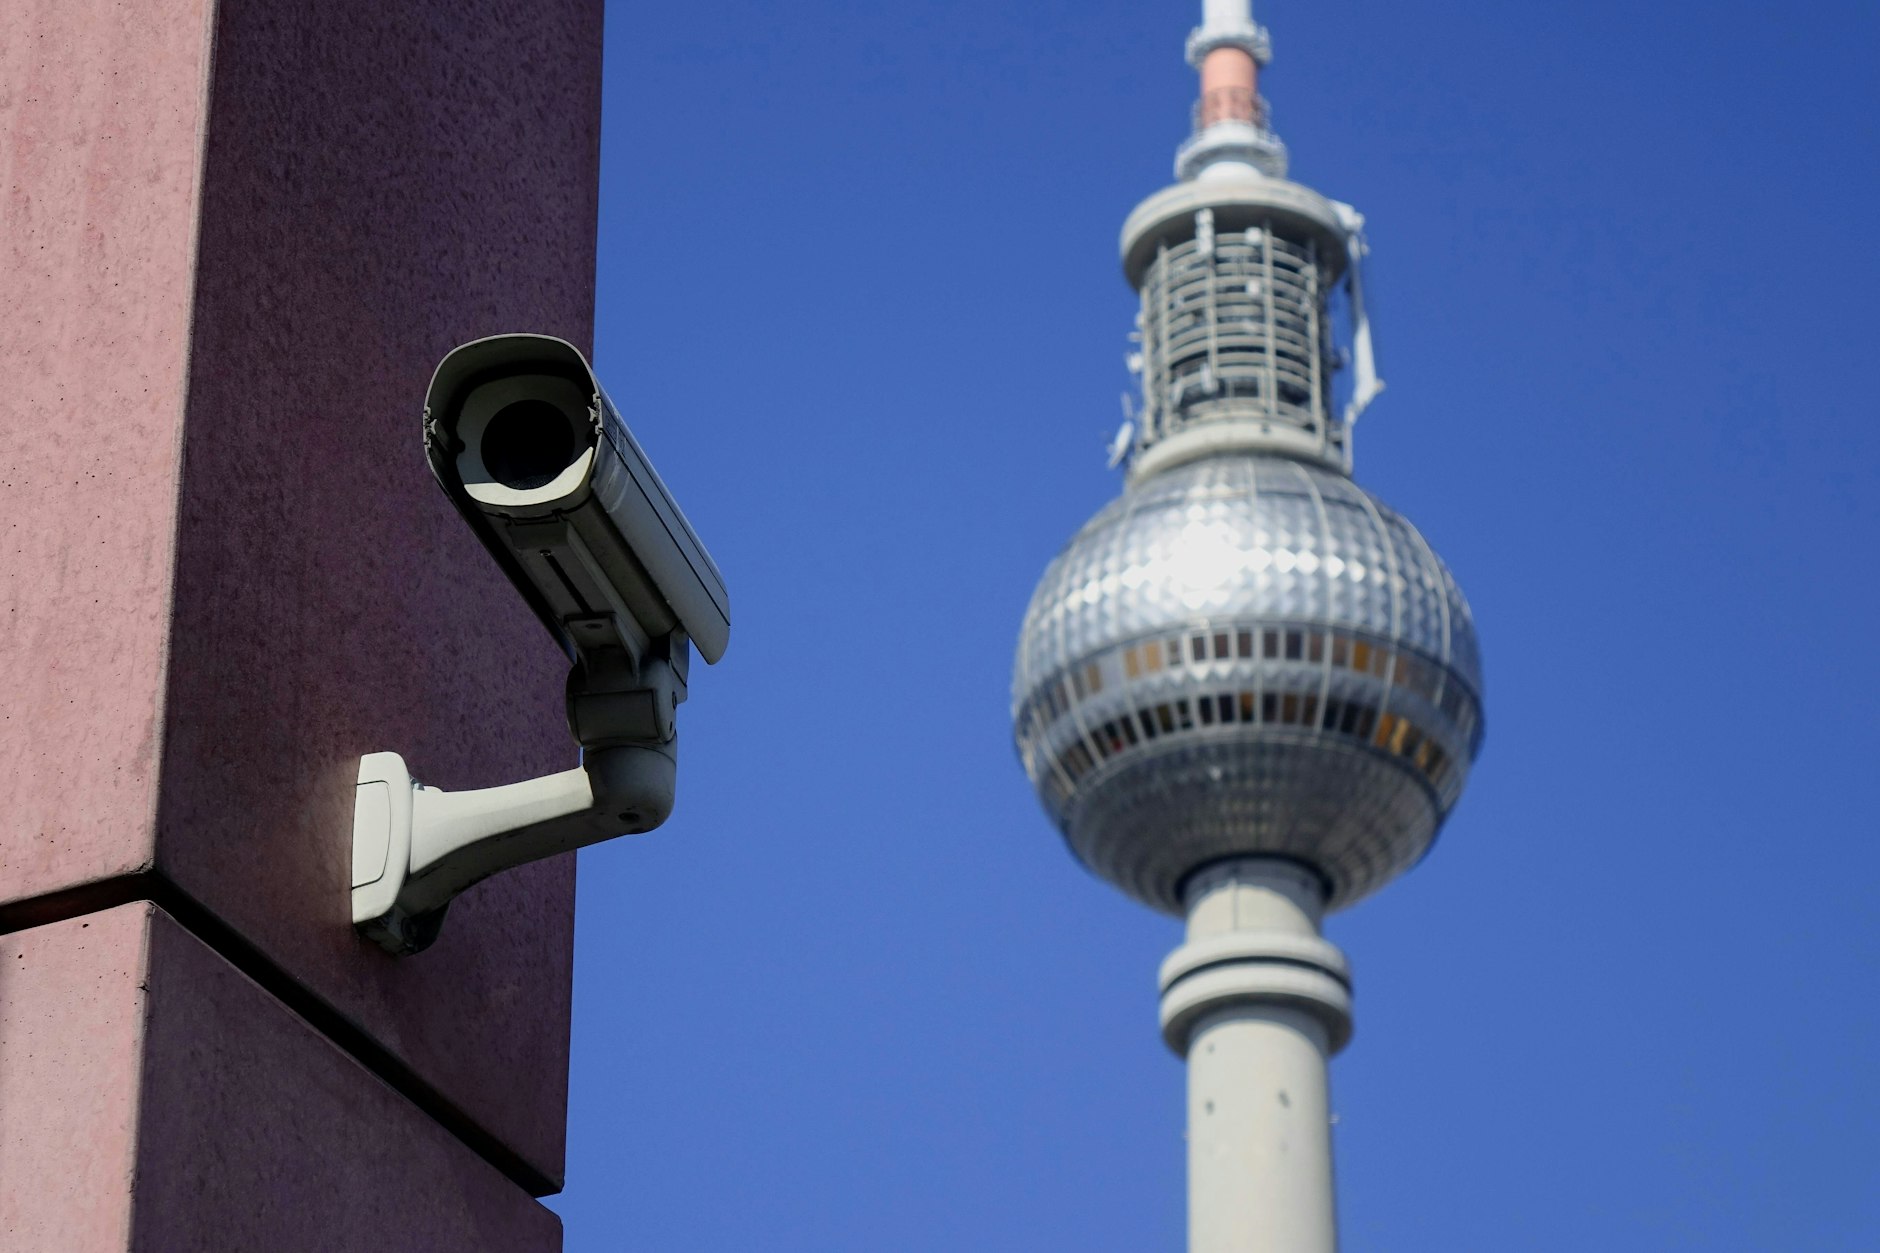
x=1248, y=692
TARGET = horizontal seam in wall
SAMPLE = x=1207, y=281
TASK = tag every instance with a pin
x=322, y=1017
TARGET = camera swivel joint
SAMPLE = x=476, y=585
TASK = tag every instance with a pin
x=416, y=847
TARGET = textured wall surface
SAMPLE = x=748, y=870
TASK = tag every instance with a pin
x=71, y=1044
x=252, y=1130
x=227, y=570
x=100, y=113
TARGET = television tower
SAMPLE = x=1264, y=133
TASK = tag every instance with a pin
x=1247, y=691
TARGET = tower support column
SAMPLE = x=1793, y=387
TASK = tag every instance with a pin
x=1257, y=1002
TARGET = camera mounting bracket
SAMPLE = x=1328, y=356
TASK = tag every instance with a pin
x=415, y=848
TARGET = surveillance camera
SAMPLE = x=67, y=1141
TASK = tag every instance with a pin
x=531, y=451
x=536, y=458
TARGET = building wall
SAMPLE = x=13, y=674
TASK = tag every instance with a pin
x=156, y=1099
x=235, y=238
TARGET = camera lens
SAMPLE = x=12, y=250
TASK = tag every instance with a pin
x=527, y=444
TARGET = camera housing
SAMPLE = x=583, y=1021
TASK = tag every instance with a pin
x=526, y=444
x=536, y=458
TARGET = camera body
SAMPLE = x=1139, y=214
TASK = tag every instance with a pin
x=537, y=460
x=529, y=448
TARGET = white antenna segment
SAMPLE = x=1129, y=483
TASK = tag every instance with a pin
x=1366, y=386
x=1124, y=438
x=1226, y=14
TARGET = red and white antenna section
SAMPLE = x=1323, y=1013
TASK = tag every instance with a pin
x=1231, y=137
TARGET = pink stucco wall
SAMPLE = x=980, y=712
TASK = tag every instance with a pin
x=154, y=1099
x=101, y=112
x=71, y=1053
x=225, y=572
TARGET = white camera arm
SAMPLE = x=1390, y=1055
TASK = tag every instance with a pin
x=415, y=847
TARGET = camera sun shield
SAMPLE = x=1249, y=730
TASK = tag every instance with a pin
x=534, y=455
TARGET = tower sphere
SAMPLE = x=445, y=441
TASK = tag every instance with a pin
x=1247, y=655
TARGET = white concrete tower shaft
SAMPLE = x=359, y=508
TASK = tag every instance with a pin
x=1258, y=1002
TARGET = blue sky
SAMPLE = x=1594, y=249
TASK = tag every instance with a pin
x=859, y=300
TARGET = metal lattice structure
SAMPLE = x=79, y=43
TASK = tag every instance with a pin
x=1233, y=326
